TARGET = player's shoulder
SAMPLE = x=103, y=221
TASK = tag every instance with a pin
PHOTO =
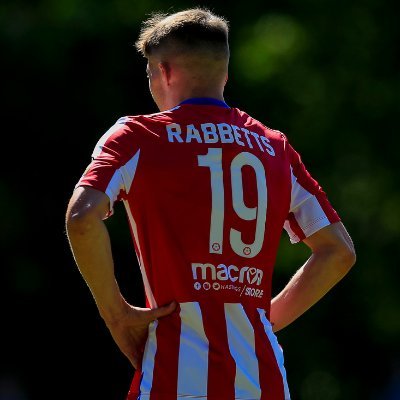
x=269, y=132
x=135, y=125
x=140, y=119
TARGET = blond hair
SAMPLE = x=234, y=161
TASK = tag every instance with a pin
x=186, y=32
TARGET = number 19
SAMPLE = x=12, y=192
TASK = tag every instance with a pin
x=213, y=160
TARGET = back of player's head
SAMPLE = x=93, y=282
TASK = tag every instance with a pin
x=189, y=32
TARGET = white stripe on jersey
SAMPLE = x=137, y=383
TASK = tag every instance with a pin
x=99, y=145
x=242, y=348
x=193, y=352
x=292, y=236
x=122, y=179
x=306, y=210
x=276, y=348
x=311, y=217
x=128, y=171
x=147, y=288
x=148, y=360
x=299, y=195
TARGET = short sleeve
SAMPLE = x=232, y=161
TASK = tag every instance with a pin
x=310, y=209
x=114, y=163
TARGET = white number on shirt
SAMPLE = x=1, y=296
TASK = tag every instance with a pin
x=213, y=160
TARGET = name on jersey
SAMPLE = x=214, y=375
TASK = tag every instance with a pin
x=224, y=277
x=218, y=133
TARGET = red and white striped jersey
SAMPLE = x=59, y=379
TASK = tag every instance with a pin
x=208, y=191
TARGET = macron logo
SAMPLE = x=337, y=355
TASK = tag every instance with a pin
x=222, y=272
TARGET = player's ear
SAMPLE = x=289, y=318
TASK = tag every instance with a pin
x=165, y=69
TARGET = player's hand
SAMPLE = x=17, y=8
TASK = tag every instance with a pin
x=130, y=330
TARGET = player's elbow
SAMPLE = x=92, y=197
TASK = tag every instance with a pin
x=334, y=244
x=79, y=221
x=345, y=257
x=86, y=211
x=340, y=257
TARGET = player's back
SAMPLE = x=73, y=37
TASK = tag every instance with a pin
x=208, y=201
x=209, y=198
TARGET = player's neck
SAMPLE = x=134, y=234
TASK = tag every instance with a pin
x=198, y=93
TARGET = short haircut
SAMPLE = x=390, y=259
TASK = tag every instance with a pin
x=185, y=32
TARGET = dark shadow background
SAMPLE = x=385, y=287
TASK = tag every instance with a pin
x=323, y=72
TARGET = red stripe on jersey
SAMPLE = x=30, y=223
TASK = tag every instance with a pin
x=270, y=376
x=165, y=374
x=221, y=366
x=302, y=175
x=295, y=227
x=311, y=185
x=134, y=389
x=329, y=211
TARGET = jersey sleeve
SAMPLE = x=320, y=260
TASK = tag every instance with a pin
x=114, y=163
x=310, y=209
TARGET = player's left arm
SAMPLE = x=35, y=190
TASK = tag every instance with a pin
x=91, y=248
x=90, y=244
x=332, y=257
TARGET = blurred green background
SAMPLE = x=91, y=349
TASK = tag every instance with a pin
x=324, y=72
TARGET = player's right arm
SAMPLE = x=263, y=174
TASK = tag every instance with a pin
x=312, y=220
x=332, y=257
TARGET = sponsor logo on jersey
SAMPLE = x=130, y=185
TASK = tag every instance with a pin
x=228, y=277
x=222, y=272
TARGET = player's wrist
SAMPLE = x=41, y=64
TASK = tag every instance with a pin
x=113, y=312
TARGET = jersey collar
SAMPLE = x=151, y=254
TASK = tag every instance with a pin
x=205, y=101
